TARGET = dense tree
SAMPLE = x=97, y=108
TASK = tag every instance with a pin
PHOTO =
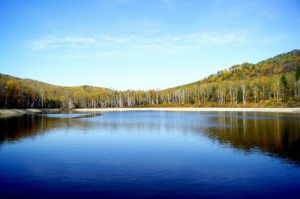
x=285, y=87
x=297, y=82
x=273, y=80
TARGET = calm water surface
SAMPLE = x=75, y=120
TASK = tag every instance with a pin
x=150, y=155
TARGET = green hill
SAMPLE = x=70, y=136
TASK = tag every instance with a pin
x=247, y=82
x=272, y=82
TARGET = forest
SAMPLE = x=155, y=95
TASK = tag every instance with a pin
x=274, y=82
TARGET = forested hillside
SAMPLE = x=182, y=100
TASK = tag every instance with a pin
x=273, y=82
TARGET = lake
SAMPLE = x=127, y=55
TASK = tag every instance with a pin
x=148, y=154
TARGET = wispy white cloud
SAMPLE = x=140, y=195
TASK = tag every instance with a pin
x=117, y=39
x=134, y=44
x=213, y=38
x=52, y=42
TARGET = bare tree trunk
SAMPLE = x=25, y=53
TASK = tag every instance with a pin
x=277, y=90
x=244, y=94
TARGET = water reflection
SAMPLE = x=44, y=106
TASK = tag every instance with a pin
x=277, y=135
x=15, y=128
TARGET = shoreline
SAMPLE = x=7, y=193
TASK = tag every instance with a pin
x=267, y=110
x=18, y=112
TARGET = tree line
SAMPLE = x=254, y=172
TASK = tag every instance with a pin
x=275, y=80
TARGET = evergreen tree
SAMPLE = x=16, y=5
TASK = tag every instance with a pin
x=298, y=73
x=285, y=87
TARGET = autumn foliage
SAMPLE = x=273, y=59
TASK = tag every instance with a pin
x=275, y=81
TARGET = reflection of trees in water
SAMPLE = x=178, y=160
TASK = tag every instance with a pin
x=274, y=134
x=15, y=128
x=277, y=136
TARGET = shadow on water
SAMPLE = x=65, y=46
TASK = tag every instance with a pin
x=277, y=135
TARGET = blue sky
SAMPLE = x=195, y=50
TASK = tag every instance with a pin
x=140, y=44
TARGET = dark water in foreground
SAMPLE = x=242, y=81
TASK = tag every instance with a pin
x=151, y=155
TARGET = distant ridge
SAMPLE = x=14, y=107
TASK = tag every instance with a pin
x=271, y=82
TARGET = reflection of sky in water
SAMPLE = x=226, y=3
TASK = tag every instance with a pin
x=155, y=154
